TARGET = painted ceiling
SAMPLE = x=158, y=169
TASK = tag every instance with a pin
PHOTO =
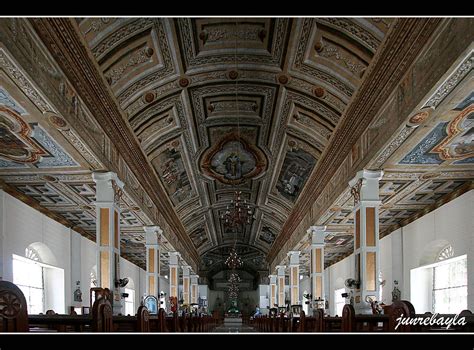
x=216, y=105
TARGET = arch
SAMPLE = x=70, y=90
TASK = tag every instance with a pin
x=432, y=250
x=39, y=251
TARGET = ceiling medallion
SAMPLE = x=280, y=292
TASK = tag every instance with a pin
x=233, y=74
x=233, y=160
x=319, y=91
x=58, y=122
x=283, y=79
x=149, y=97
x=183, y=82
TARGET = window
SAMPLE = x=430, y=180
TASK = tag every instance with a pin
x=130, y=302
x=450, y=286
x=339, y=301
x=28, y=276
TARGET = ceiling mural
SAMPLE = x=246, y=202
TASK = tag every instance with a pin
x=219, y=105
x=234, y=104
x=295, y=170
x=233, y=160
x=431, y=167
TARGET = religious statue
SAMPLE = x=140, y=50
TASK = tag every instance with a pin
x=233, y=166
x=77, y=292
x=173, y=304
x=396, y=293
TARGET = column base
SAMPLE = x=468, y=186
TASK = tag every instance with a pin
x=363, y=308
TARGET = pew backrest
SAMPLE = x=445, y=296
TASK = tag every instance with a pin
x=348, y=318
x=102, y=319
x=143, y=319
x=13, y=308
x=398, y=309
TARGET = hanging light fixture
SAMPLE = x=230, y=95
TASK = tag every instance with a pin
x=234, y=261
x=238, y=213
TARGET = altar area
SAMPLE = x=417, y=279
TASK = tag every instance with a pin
x=233, y=316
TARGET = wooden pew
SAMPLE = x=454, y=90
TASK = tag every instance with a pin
x=13, y=308
x=102, y=318
x=363, y=323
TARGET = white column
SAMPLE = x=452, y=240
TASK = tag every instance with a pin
x=152, y=283
x=294, y=277
x=273, y=290
x=108, y=192
x=79, y=292
x=365, y=190
x=281, y=284
x=317, y=263
x=186, y=276
x=194, y=289
x=174, y=277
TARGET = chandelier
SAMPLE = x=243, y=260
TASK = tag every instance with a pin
x=238, y=213
x=233, y=261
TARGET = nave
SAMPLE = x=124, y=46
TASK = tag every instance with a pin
x=233, y=175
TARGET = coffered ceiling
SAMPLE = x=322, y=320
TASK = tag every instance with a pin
x=189, y=110
x=194, y=91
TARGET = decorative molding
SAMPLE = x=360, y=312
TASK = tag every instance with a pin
x=401, y=46
x=65, y=44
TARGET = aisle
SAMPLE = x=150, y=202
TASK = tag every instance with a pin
x=235, y=329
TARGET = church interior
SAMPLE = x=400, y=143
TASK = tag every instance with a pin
x=258, y=174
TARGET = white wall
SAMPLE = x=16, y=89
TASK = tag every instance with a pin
x=23, y=225
x=415, y=245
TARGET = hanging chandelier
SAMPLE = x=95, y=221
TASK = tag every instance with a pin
x=234, y=261
x=238, y=213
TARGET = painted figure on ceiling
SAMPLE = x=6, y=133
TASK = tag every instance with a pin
x=233, y=166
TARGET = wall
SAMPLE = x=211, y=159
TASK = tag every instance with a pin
x=22, y=225
x=415, y=245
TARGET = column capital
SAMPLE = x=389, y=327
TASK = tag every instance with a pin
x=174, y=258
x=186, y=269
x=280, y=268
x=314, y=229
x=365, y=174
x=294, y=257
x=272, y=276
x=317, y=234
x=108, y=187
x=365, y=186
x=98, y=176
x=152, y=234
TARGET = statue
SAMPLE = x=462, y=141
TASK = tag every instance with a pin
x=78, y=293
x=173, y=304
x=396, y=293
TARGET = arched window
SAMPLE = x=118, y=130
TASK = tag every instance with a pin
x=28, y=275
x=446, y=253
x=449, y=282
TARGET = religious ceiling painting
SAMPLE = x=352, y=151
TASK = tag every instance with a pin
x=170, y=166
x=22, y=143
x=294, y=172
x=199, y=237
x=452, y=140
x=267, y=235
x=184, y=87
x=233, y=160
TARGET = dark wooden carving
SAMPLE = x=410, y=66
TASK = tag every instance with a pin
x=13, y=308
x=348, y=318
x=102, y=315
x=143, y=319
